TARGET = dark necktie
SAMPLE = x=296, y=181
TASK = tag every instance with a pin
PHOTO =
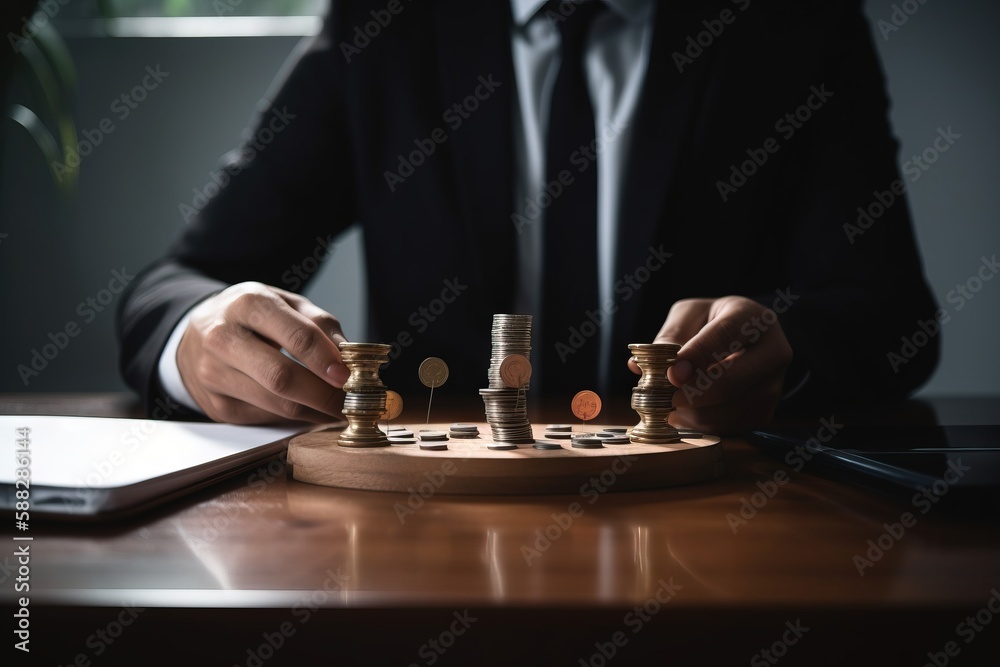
x=570, y=337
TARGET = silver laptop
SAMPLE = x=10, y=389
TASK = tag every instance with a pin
x=100, y=468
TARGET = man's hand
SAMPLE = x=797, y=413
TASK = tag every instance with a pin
x=730, y=370
x=231, y=361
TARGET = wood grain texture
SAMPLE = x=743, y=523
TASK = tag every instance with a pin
x=470, y=467
x=239, y=559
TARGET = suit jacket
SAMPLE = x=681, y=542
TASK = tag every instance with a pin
x=758, y=139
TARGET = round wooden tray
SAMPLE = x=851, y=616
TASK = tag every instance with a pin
x=469, y=467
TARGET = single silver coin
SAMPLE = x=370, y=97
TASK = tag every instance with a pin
x=465, y=427
x=547, y=444
x=433, y=372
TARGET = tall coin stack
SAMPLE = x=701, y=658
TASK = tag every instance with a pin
x=507, y=408
x=365, y=400
x=653, y=398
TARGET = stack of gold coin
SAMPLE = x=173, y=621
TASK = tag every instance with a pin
x=507, y=407
x=653, y=397
x=365, y=397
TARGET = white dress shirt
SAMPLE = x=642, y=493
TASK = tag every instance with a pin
x=616, y=59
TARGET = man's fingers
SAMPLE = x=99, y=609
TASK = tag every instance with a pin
x=273, y=318
x=328, y=324
x=726, y=332
x=750, y=410
x=285, y=386
x=245, y=401
x=685, y=319
x=733, y=377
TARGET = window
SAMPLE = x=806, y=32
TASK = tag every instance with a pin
x=178, y=8
x=191, y=18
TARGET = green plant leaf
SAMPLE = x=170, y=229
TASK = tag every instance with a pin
x=52, y=46
x=56, y=78
x=46, y=143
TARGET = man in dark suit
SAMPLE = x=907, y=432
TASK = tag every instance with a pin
x=739, y=151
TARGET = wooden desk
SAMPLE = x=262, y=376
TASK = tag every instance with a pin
x=265, y=570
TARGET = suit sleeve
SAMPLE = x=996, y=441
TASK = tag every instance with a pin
x=857, y=279
x=278, y=198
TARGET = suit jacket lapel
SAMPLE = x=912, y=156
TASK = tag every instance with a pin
x=665, y=113
x=472, y=50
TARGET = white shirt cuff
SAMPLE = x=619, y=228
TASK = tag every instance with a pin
x=170, y=374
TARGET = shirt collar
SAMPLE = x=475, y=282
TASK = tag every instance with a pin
x=632, y=10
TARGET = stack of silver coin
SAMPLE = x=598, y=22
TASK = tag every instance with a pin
x=507, y=413
x=506, y=408
x=511, y=335
x=653, y=398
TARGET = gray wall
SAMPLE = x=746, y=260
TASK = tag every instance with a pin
x=943, y=68
x=942, y=71
x=60, y=252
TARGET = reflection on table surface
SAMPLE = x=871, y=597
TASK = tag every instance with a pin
x=743, y=539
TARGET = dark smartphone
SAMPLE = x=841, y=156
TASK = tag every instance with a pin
x=957, y=467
